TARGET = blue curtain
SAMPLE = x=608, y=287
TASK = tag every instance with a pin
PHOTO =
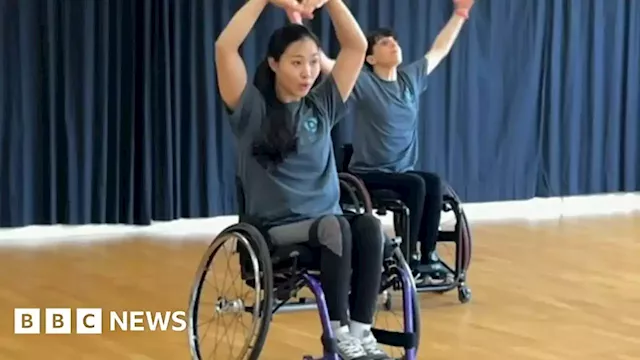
x=109, y=111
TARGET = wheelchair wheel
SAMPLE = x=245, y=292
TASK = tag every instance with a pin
x=220, y=317
x=390, y=321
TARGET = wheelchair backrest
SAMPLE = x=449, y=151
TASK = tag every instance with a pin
x=240, y=198
x=343, y=157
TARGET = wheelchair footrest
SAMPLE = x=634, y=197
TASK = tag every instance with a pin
x=395, y=339
x=447, y=236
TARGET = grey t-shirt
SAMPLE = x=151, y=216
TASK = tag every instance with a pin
x=306, y=184
x=385, y=129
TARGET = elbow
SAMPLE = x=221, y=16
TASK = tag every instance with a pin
x=360, y=43
x=440, y=49
x=362, y=48
x=223, y=46
x=220, y=45
x=355, y=41
x=357, y=46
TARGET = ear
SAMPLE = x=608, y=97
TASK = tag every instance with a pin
x=272, y=64
x=371, y=60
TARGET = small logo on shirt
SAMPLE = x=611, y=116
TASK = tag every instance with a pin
x=408, y=96
x=309, y=131
x=311, y=125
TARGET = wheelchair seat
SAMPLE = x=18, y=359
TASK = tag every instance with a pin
x=283, y=258
x=385, y=195
x=283, y=253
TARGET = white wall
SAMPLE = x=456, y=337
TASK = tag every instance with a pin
x=205, y=229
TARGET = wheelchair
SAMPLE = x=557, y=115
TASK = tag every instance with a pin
x=276, y=274
x=384, y=201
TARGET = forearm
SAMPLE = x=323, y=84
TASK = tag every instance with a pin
x=448, y=35
x=240, y=25
x=348, y=31
x=326, y=63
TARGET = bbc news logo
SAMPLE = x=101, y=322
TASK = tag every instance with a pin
x=90, y=321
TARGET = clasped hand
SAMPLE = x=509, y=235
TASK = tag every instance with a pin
x=301, y=8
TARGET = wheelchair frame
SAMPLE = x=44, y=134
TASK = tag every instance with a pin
x=294, y=277
x=460, y=236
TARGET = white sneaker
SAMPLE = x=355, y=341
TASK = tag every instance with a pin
x=373, y=351
x=349, y=347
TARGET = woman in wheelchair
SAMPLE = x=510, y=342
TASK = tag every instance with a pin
x=282, y=123
x=385, y=150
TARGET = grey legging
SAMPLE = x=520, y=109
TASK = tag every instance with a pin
x=345, y=244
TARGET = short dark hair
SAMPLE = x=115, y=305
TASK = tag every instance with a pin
x=376, y=35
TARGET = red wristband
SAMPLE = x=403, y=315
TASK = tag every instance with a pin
x=464, y=13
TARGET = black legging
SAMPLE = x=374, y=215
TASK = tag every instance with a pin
x=422, y=193
x=345, y=244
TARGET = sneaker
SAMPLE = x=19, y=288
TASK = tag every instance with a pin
x=430, y=271
x=349, y=347
x=370, y=345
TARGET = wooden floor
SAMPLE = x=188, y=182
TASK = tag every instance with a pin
x=559, y=290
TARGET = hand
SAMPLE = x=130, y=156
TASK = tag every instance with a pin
x=288, y=5
x=463, y=7
x=463, y=4
x=309, y=6
x=295, y=17
x=313, y=4
x=298, y=9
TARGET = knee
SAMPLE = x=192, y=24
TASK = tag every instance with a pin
x=418, y=185
x=433, y=183
x=367, y=222
x=367, y=230
x=334, y=233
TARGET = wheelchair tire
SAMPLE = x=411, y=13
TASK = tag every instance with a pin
x=385, y=338
x=249, y=236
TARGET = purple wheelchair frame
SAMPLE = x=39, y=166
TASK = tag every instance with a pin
x=355, y=187
x=407, y=305
x=359, y=195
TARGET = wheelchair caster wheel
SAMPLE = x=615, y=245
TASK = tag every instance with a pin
x=464, y=294
x=388, y=303
x=384, y=300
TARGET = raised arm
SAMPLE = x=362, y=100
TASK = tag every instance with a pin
x=327, y=63
x=447, y=37
x=353, y=47
x=230, y=69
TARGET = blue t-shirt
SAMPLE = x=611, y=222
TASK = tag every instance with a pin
x=306, y=184
x=385, y=129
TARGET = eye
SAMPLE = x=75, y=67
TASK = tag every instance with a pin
x=297, y=62
x=315, y=62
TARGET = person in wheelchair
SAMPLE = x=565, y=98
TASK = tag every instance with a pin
x=282, y=123
x=385, y=145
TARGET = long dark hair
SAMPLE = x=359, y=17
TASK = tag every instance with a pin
x=278, y=137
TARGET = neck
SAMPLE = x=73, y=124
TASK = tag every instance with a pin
x=386, y=73
x=284, y=96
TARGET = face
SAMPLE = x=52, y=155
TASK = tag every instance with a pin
x=386, y=52
x=297, y=69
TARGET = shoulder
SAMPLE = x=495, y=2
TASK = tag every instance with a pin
x=248, y=113
x=326, y=100
x=417, y=67
x=416, y=73
x=367, y=77
x=251, y=103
